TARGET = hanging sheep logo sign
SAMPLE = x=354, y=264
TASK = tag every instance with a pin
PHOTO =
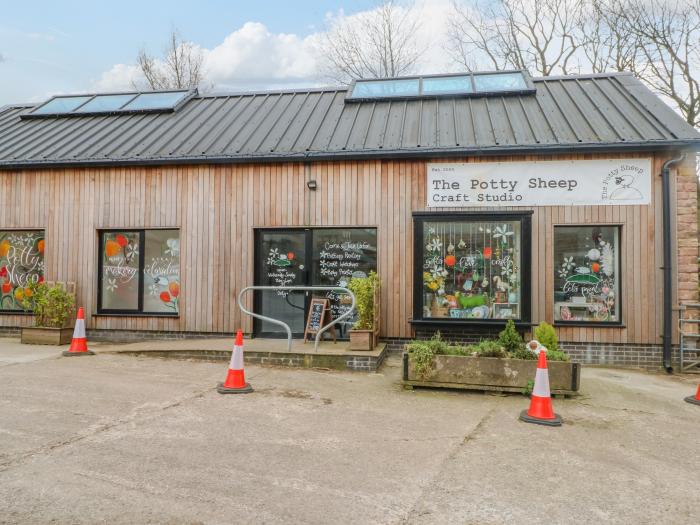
x=540, y=183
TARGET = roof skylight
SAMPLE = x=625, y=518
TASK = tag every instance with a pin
x=111, y=103
x=469, y=84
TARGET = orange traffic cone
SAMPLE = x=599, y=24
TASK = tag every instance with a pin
x=694, y=400
x=78, y=346
x=541, y=411
x=235, y=380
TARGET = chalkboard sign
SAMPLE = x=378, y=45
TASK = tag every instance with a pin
x=339, y=255
x=319, y=316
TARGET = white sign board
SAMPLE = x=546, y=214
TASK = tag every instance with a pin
x=540, y=183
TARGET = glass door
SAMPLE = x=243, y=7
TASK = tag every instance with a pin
x=280, y=260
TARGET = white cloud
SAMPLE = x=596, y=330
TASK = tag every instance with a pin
x=253, y=57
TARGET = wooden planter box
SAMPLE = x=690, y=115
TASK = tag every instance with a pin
x=492, y=373
x=362, y=340
x=37, y=335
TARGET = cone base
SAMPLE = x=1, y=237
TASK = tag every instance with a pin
x=692, y=400
x=556, y=422
x=68, y=353
x=221, y=389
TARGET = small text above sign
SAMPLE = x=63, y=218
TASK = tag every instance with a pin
x=545, y=183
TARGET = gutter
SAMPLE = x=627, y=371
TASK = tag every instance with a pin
x=667, y=264
x=372, y=154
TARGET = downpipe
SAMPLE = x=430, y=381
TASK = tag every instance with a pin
x=667, y=262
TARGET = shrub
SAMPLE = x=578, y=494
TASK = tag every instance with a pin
x=524, y=353
x=363, y=288
x=547, y=336
x=51, y=305
x=510, y=339
x=488, y=348
x=557, y=355
x=422, y=357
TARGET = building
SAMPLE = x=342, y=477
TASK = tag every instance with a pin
x=477, y=198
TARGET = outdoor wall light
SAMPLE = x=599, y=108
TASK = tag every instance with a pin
x=312, y=185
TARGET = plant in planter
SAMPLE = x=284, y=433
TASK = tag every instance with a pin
x=53, y=307
x=364, y=331
x=504, y=364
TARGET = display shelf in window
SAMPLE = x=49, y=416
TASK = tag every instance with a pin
x=472, y=267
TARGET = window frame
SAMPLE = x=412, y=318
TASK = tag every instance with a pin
x=43, y=230
x=142, y=263
x=525, y=218
x=591, y=324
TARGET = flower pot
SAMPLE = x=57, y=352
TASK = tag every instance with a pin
x=41, y=335
x=362, y=340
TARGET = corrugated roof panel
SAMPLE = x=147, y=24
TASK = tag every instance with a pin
x=411, y=124
x=566, y=113
x=394, y=125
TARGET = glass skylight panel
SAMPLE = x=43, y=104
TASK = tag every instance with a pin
x=441, y=85
x=61, y=105
x=490, y=82
x=165, y=100
x=105, y=103
x=386, y=88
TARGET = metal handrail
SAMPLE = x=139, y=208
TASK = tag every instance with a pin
x=298, y=288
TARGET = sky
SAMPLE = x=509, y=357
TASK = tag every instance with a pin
x=71, y=46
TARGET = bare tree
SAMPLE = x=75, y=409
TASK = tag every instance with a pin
x=669, y=35
x=181, y=66
x=607, y=42
x=376, y=44
x=542, y=35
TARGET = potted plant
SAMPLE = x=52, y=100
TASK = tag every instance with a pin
x=53, y=307
x=363, y=334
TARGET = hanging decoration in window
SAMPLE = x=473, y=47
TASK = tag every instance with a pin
x=471, y=270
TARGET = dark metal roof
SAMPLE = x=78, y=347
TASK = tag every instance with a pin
x=575, y=113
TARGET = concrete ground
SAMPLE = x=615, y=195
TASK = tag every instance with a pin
x=117, y=439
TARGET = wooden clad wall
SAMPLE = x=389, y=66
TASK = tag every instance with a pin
x=216, y=208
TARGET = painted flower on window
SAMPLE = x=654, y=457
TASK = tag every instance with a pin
x=111, y=285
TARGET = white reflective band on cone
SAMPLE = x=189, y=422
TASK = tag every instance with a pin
x=541, y=388
x=79, y=332
x=237, y=358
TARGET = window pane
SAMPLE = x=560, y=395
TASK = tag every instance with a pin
x=472, y=270
x=155, y=100
x=106, y=103
x=340, y=254
x=586, y=281
x=499, y=82
x=60, y=105
x=385, y=88
x=21, y=263
x=120, y=271
x=461, y=84
x=161, y=272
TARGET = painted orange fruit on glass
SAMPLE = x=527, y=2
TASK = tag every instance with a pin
x=595, y=267
x=6, y=287
x=112, y=248
x=450, y=261
x=40, y=246
x=4, y=248
x=165, y=297
x=174, y=288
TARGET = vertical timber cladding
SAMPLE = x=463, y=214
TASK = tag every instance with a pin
x=217, y=208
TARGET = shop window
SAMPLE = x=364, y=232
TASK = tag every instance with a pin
x=587, y=274
x=472, y=267
x=139, y=271
x=21, y=263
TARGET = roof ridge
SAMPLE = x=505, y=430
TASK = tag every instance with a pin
x=583, y=76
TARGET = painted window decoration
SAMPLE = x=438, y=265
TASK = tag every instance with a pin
x=21, y=263
x=140, y=271
x=472, y=269
x=339, y=254
x=586, y=273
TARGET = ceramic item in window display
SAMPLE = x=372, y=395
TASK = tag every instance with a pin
x=513, y=297
x=468, y=284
